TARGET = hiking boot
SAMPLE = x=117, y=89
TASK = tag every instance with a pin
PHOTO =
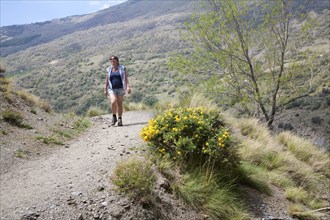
x=120, y=122
x=113, y=121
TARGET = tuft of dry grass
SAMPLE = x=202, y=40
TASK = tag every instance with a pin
x=30, y=99
x=134, y=177
x=33, y=100
x=132, y=106
x=306, y=152
x=285, y=160
x=44, y=105
x=8, y=88
x=4, y=84
x=94, y=111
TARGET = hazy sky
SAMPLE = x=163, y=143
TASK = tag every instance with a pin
x=30, y=11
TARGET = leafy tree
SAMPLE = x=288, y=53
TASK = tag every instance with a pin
x=247, y=52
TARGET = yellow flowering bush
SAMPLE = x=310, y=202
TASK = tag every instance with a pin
x=190, y=134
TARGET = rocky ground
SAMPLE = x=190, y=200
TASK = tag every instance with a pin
x=72, y=182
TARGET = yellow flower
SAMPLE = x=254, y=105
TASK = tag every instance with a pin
x=179, y=152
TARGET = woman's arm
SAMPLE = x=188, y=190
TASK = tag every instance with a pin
x=127, y=82
x=106, y=85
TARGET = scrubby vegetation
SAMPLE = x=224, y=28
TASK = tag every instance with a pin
x=21, y=108
x=15, y=118
x=207, y=155
x=135, y=177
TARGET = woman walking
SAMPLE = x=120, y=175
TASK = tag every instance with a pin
x=116, y=85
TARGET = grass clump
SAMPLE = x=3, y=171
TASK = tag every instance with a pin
x=298, y=211
x=44, y=105
x=306, y=152
x=206, y=193
x=254, y=176
x=29, y=98
x=12, y=117
x=134, y=177
x=285, y=160
x=94, y=111
x=21, y=153
x=4, y=84
x=33, y=100
x=296, y=194
x=133, y=106
x=15, y=118
x=81, y=124
x=50, y=140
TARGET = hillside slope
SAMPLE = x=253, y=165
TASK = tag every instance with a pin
x=41, y=152
x=66, y=64
x=69, y=70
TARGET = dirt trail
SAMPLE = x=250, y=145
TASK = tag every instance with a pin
x=72, y=182
x=48, y=187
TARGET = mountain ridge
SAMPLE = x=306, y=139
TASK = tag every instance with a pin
x=15, y=38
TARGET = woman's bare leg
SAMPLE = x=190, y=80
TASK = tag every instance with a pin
x=113, y=100
x=120, y=105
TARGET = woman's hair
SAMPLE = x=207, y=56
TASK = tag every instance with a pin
x=114, y=57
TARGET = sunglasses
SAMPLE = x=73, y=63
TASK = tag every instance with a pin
x=113, y=59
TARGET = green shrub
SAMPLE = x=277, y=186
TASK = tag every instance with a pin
x=195, y=135
x=150, y=100
x=134, y=177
